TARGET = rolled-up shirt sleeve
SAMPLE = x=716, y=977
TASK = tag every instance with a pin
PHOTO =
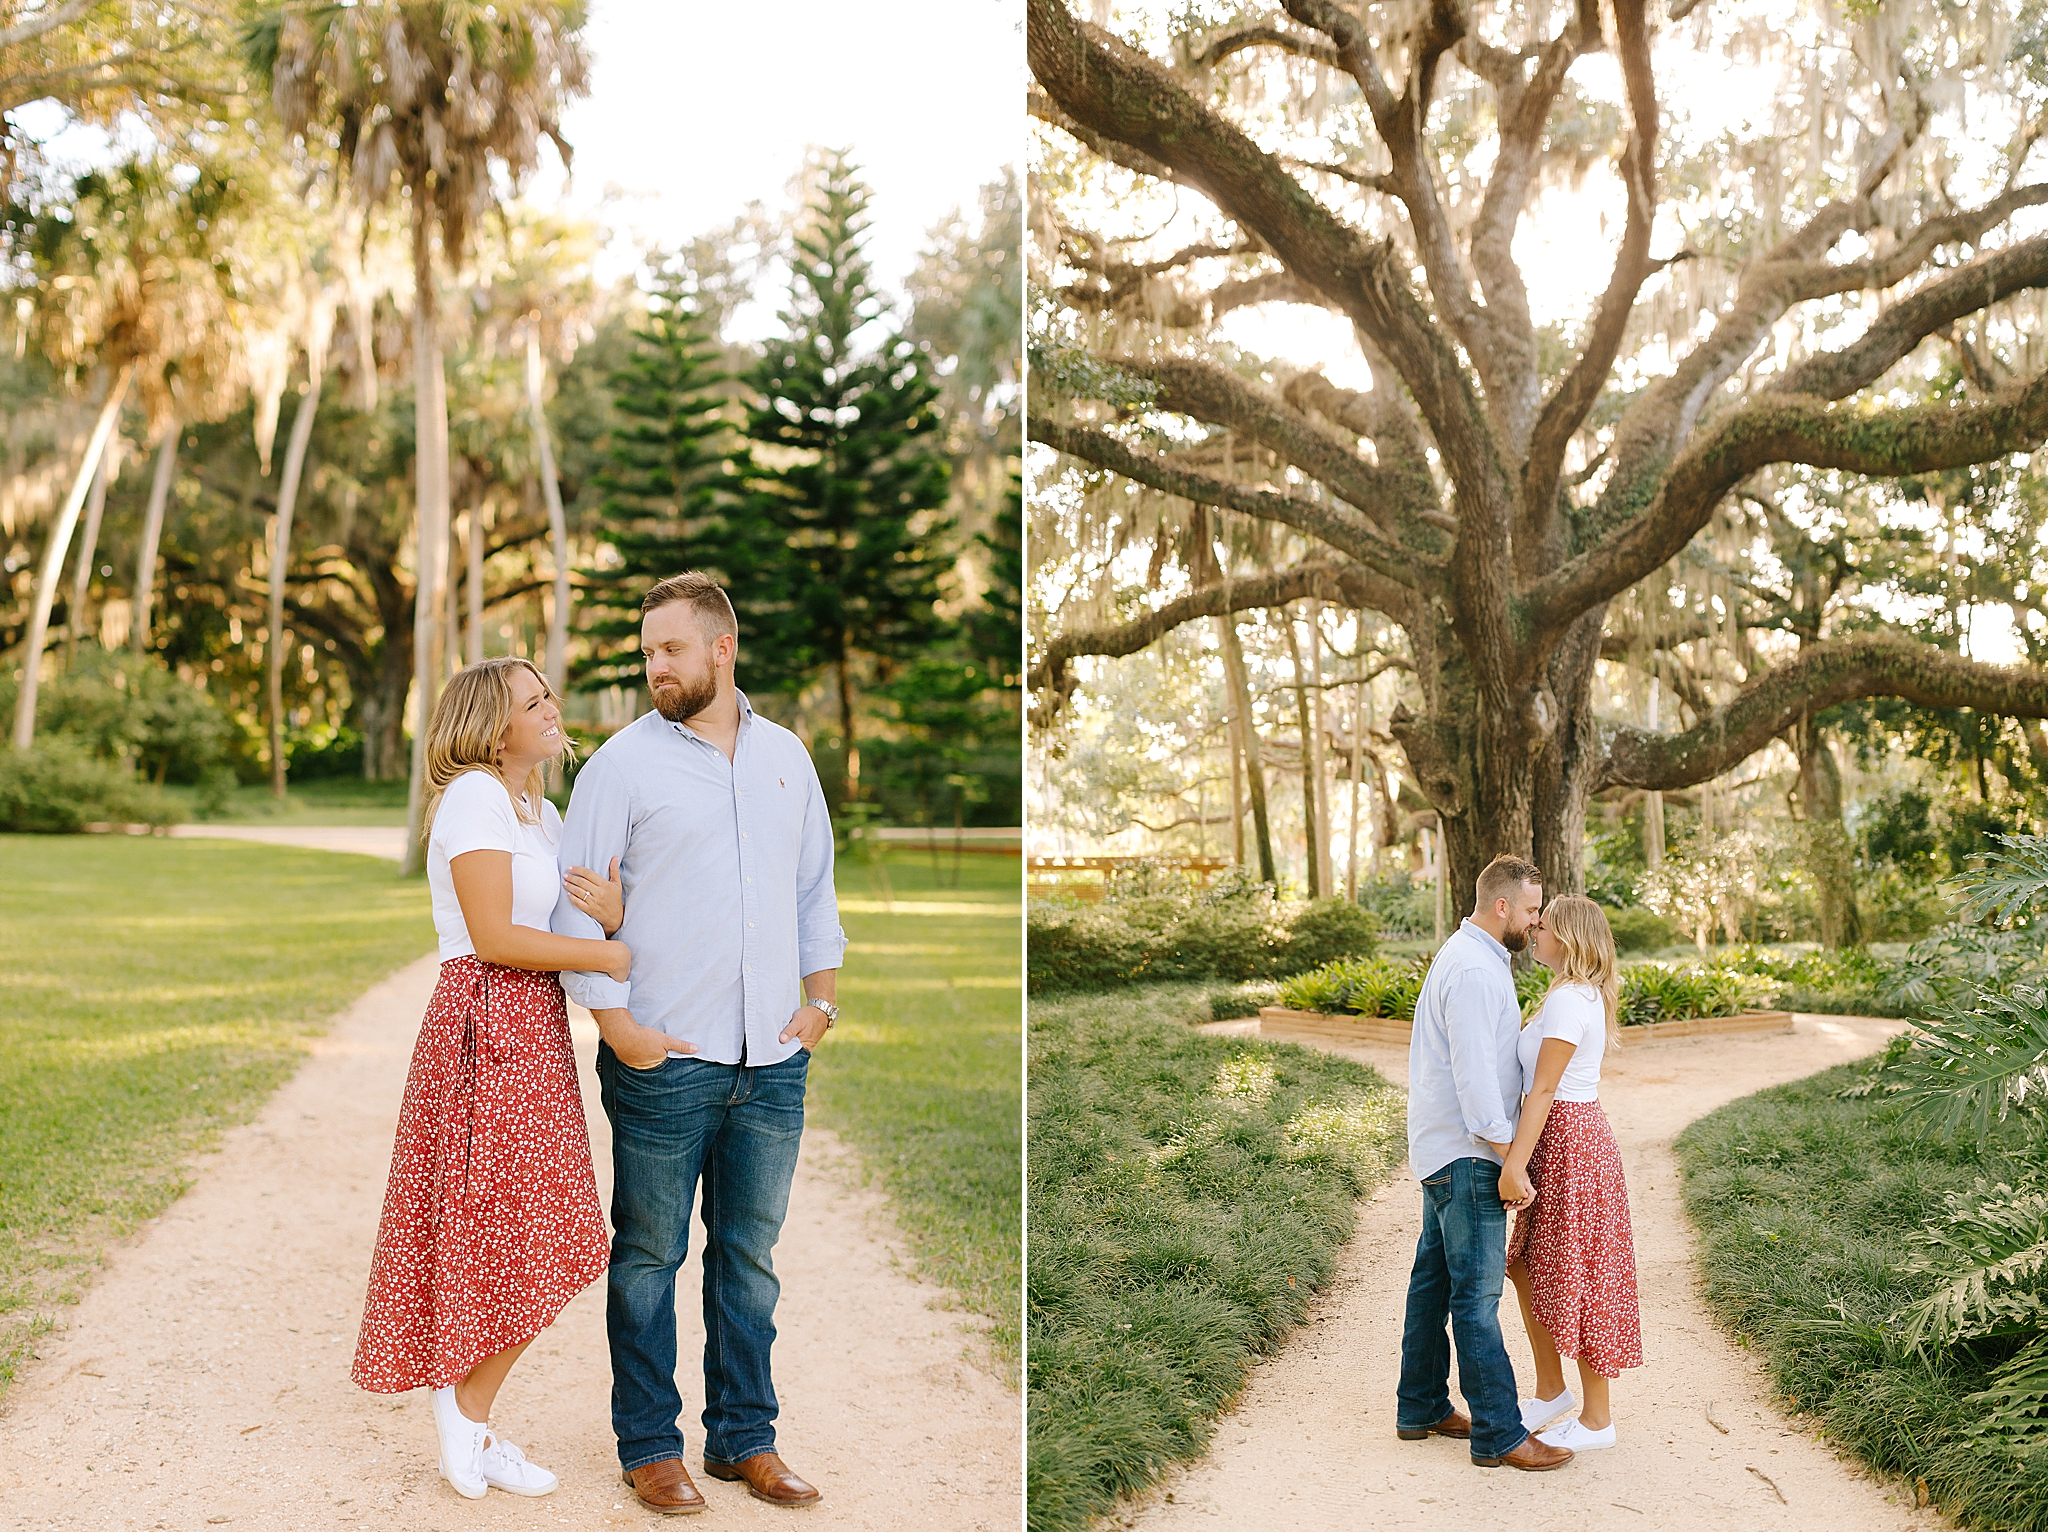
x=820, y=943
x=1468, y=1011
x=593, y=832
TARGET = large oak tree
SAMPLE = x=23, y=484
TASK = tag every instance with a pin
x=1503, y=481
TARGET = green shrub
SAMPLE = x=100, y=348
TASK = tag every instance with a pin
x=1652, y=992
x=1402, y=906
x=58, y=789
x=1329, y=930
x=1238, y=1001
x=1362, y=987
x=131, y=709
x=1141, y=936
x=1639, y=930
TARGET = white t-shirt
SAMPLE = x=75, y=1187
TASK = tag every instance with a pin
x=1575, y=1014
x=476, y=814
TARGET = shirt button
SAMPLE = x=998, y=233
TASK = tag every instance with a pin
x=750, y=925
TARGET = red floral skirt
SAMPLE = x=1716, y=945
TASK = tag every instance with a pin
x=1576, y=1242
x=491, y=1223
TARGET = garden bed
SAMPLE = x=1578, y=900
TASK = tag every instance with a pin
x=1280, y=1022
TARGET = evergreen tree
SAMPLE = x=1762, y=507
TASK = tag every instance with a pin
x=668, y=482
x=846, y=479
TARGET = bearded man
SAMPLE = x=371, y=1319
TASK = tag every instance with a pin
x=1464, y=1097
x=714, y=831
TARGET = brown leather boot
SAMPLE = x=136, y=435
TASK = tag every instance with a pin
x=1454, y=1424
x=767, y=1478
x=665, y=1487
x=1531, y=1457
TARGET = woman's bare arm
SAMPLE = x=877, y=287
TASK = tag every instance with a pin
x=1550, y=1064
x=483, y=887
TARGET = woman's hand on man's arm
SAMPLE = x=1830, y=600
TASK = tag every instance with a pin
x=603, y=899
x=483, y=887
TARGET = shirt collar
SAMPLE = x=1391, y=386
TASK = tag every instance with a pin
x=746, y=721
x=1486, y=936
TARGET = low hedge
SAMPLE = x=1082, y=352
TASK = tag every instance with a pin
x=56, y=788
x=1650, y=992
x=1152, y=937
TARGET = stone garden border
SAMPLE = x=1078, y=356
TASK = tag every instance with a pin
x=1277, y=1021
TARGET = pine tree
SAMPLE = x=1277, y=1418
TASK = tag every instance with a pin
x=847, y=481
x=669, y=482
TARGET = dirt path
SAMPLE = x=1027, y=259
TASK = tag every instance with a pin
x=1311, y=1444
x=203, y=1380
x=387, y=841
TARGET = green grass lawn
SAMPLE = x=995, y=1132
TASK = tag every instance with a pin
x=924, y=1073
x=326, y=801
x=154, y=992
x=1805, y=1203
x=1189, y=1193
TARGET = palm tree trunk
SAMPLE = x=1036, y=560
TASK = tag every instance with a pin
x=473, y=584
x=88, y=545
x=1357, y=773
x=430, y=469
x=281, y=558
x=1254, y=772
x=152, y=532
x=558, y=526
x=53, y=562
x=1311, y=759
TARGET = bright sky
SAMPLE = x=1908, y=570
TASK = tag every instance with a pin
x=697, y=110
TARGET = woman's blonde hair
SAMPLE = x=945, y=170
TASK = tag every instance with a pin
x=1586, y=953
x=471, y=717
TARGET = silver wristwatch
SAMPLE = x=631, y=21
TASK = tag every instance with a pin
x=831, y=1011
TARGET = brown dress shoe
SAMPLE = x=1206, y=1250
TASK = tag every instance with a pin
x=1531, y=1457
x=767, y=1478
x=665, y=1487
x=1454, y=1424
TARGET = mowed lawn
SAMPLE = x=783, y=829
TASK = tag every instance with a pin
x=152, y=993
x=924, y=1073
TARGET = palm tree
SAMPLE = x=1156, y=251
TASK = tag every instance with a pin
x=432, y=96
x=126, y=281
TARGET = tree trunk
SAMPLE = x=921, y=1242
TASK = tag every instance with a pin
x=473, y=584
x=1235, y=744
x=430, y=405
x=1326, y=792
x=558, y=526
x=1255, y=774
x=850, y=755
x=1828, y=857
x=280, y=562
x=53, y=562
x=88, y=545
x=152, y=533
x=1357, y=772
x=1309, y=756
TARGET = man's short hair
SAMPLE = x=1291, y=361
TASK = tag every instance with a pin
x=705, y=596
x=1503, y=877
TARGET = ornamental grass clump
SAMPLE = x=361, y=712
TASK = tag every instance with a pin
x=1188, y=1195
x=1360, y=987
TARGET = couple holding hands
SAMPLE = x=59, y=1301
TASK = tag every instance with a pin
x=717, y=896
x=1505, y=1117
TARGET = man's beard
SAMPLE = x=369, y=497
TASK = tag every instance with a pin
x=679, y=701
x=1515, y=941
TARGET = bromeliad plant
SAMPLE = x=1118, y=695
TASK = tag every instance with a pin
x=1980, y=1058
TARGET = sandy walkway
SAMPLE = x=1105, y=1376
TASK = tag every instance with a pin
x=386, y=841
x=1312, y=1445
x=203, y=1380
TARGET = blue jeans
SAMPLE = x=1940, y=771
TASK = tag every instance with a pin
x=737, y=1129
x=1460, y=1264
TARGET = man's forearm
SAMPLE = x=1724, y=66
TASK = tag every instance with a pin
x=822, y=985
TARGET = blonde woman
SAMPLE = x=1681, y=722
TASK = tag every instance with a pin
x=491, y=1222
x=1571, y=1255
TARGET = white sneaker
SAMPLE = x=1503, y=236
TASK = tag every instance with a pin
x=462, y=1445
x=505, y=1467
x=1577, y=1438
x=1538, y=1413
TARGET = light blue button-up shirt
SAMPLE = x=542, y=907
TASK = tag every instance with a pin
x=1464, y=1081
x=727, y=869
